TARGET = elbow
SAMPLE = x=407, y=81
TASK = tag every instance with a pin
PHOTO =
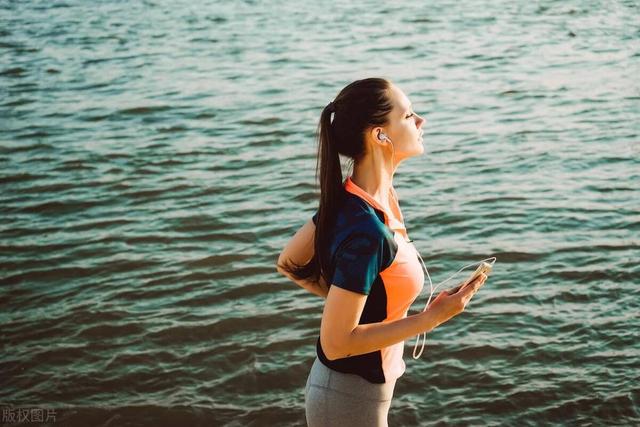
x=333, y=348
x=283, y=266
x=330, y=351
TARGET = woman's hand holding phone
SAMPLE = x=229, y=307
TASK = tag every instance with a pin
x=452, y=302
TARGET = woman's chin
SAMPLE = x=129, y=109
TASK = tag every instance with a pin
x=417, y=152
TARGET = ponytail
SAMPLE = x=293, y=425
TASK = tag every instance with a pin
x=341, y=129
x=329, y=174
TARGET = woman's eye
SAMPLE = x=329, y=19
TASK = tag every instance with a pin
x=410, y=115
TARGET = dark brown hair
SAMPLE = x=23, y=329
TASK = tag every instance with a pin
x=359, y=106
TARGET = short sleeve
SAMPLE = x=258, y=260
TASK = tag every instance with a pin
x=358, y=261
x=315, y=218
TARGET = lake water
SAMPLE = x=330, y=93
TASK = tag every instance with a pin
x=156, y=157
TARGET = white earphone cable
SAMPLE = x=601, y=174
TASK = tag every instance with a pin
x=424, y=334
x=491, y=261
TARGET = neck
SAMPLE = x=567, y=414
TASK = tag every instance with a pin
x=374, y=174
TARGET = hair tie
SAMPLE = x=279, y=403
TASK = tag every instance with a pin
x=331, y=108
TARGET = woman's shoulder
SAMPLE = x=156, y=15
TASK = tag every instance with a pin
x=361, y=228
x=357, y=215
x=363, y=237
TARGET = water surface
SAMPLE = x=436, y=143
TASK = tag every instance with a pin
x=156, y=157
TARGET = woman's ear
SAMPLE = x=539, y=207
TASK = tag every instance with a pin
x=376, y=134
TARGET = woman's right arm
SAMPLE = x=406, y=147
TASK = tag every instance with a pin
x=300, y=249
x=318, y=288
x=342, y=336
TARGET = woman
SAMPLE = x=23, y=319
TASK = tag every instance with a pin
x=357, y=243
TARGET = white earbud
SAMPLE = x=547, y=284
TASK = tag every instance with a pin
x=382, y=137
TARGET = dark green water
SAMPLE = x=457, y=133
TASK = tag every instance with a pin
x=157, y=156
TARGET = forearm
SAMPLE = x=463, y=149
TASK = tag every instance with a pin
x=370, y=337
x=317, y=288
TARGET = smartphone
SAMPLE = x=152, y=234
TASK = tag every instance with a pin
x=484, y=267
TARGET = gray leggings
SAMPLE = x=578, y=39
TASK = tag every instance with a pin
x=335, y=399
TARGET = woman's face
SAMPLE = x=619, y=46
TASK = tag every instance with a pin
x=405, y=127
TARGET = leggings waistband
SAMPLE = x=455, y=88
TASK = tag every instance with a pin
x=349, y=384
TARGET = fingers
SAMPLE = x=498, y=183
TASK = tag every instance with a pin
x=438, y=297
x=463, y=292
x=475, y=284
x=453, y=290
x=470, y=290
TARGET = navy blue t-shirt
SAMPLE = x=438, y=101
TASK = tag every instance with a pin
x=362, y=246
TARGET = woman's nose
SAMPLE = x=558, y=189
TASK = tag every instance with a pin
x=420, y=122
